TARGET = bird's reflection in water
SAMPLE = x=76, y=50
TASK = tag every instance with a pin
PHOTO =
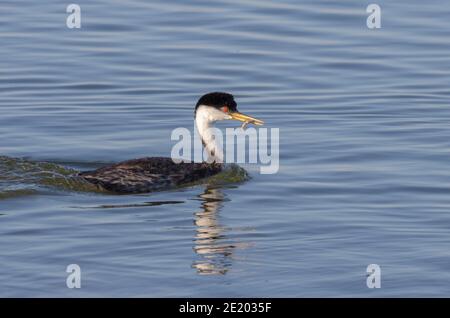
x=211, y=244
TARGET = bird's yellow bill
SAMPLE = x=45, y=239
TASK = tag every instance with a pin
x=246, y=119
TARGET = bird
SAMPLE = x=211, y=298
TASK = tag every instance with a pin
x=152, y=174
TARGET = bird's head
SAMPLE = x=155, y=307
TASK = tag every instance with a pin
x=217, y=106
x=213, y=107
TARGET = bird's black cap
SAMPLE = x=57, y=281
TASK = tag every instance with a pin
x=217, y=100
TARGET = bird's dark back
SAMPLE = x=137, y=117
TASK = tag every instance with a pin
x=148, y=174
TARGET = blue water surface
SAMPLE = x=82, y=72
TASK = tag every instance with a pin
x=364, y=147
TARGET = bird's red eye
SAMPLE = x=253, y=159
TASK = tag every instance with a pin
x=225, y=109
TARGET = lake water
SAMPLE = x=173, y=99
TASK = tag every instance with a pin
x=364, y=147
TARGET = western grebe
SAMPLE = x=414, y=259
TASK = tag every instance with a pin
x=157, y=173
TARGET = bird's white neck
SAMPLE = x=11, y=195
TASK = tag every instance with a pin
x=205, y=117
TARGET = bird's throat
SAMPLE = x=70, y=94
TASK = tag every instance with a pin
x=207, y=133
